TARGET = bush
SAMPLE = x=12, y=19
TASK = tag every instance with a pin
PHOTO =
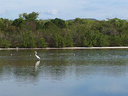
x=42, y=43
x=28, y=40
x=6, y=44
x=59, y=41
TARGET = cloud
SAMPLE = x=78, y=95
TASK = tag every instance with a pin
x=4, y=12
x=50, y=12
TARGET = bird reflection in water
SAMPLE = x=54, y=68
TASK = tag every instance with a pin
x=37, y=65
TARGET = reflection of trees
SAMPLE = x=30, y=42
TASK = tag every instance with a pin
x=54, y=72
x=27, y=73
x=59, y=66
x=90, y=71
x=23, y=71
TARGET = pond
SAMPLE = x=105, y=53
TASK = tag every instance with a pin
x=64, y=73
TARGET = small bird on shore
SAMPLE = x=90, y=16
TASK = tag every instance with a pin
x=37, y=56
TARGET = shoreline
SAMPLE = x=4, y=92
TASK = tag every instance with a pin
x=66, y=48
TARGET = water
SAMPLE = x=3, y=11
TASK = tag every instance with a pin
x=64, y=73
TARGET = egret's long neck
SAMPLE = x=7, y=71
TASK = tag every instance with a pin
x=35, y=53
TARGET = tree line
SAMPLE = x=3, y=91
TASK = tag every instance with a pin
x=28, y=31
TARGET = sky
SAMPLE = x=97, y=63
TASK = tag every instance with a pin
x=65, y=9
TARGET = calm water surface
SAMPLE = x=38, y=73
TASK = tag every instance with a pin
x=64, y=73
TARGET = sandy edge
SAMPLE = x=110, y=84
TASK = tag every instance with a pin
x=64, y=48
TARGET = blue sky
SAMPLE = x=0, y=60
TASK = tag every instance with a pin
x=65, y=9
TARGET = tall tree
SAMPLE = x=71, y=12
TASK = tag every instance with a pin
x=31, y=16
x=60, y=23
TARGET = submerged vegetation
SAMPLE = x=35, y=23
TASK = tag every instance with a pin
x=29, y=32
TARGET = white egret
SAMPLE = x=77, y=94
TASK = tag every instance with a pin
x=37, y=56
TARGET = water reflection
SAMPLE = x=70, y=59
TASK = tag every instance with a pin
x=36, y=65
x=60, y=64
x=85, y=71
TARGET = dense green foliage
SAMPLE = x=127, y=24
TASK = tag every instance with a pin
x=27, y=31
